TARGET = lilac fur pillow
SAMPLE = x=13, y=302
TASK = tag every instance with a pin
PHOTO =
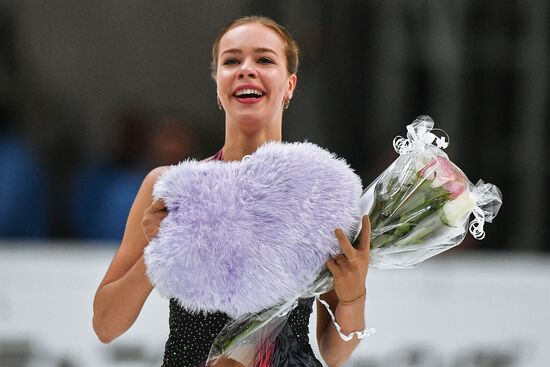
x=241, y=236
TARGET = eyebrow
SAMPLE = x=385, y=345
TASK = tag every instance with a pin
x=256, y=50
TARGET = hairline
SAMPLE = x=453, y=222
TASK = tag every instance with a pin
x=289, y=44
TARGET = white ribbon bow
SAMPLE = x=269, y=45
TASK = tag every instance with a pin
x=476, y=225
x=419, y=135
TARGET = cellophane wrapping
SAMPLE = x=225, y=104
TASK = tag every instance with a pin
x=420, y=206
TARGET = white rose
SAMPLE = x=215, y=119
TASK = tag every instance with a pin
x=454, y=210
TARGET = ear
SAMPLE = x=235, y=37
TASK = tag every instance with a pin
x=292, y=80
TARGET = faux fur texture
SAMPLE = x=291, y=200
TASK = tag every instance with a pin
x=241, y=236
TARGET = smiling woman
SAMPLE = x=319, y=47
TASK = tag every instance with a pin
x=254, y=65
x=253, y=84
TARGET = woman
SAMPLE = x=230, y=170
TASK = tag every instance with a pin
x=254, y=64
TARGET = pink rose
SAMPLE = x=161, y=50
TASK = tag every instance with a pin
x=443, y=173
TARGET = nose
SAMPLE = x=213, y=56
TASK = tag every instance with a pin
x=247, y=71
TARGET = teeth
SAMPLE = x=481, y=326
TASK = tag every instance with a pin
x=249, y=91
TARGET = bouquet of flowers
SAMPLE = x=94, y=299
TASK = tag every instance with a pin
x=419, y=207
x=421, y=204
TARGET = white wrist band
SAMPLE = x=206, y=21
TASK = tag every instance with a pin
x=360, y=334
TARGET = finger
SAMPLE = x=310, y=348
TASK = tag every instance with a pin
x=339, y=258
x=332, y=266
x=347, y=248
x=160, y=215
x=158, y=204
x=364, y=237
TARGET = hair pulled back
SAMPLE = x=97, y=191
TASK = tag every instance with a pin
x=290, y=45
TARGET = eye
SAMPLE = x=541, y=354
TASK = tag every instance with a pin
x=231, y=61
x=265, y=60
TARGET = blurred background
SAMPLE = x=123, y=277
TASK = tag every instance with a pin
x=93, y=95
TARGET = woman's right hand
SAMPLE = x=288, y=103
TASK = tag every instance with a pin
x=152, y=217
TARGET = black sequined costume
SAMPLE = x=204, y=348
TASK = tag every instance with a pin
x=192, y=334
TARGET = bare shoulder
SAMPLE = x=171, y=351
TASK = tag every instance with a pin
x=154, y=174
x=143, y=200
x=144, y=196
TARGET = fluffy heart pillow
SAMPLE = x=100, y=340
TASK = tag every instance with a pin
x=242, y=236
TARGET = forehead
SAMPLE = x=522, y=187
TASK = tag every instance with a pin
x=251, y=35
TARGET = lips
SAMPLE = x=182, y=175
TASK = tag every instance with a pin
x=248, y=93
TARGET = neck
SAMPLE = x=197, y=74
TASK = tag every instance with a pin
x=239, y=143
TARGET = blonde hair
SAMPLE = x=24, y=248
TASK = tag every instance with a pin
x=290, y=45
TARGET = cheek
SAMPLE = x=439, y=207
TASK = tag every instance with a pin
x=224, y=73
x=279, y=83
x=223, y=80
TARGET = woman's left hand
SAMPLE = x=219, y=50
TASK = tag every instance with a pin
x=349, y=269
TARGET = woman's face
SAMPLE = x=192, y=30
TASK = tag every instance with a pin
x=252, y=79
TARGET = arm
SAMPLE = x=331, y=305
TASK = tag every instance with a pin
x=333, y=349
x=349, y=282
x=125, y=287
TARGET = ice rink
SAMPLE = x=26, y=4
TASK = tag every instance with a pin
x=458, y=310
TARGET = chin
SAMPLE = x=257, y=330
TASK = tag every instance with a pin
x=250, y=119
x=251, y=127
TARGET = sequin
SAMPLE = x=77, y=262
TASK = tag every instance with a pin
x=192, y=334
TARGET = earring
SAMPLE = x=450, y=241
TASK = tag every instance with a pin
x=286, y=103
x=220, y=107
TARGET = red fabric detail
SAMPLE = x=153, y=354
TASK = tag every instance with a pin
x=263, y=356
x=218, y=156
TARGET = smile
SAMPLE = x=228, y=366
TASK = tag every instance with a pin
x=248, y=94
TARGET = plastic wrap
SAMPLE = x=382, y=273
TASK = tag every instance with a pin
x=419, y=206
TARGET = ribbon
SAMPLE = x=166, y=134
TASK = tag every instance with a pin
x=476, y=225
x=419, y=135
x=488, y=200
x=360, y=334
